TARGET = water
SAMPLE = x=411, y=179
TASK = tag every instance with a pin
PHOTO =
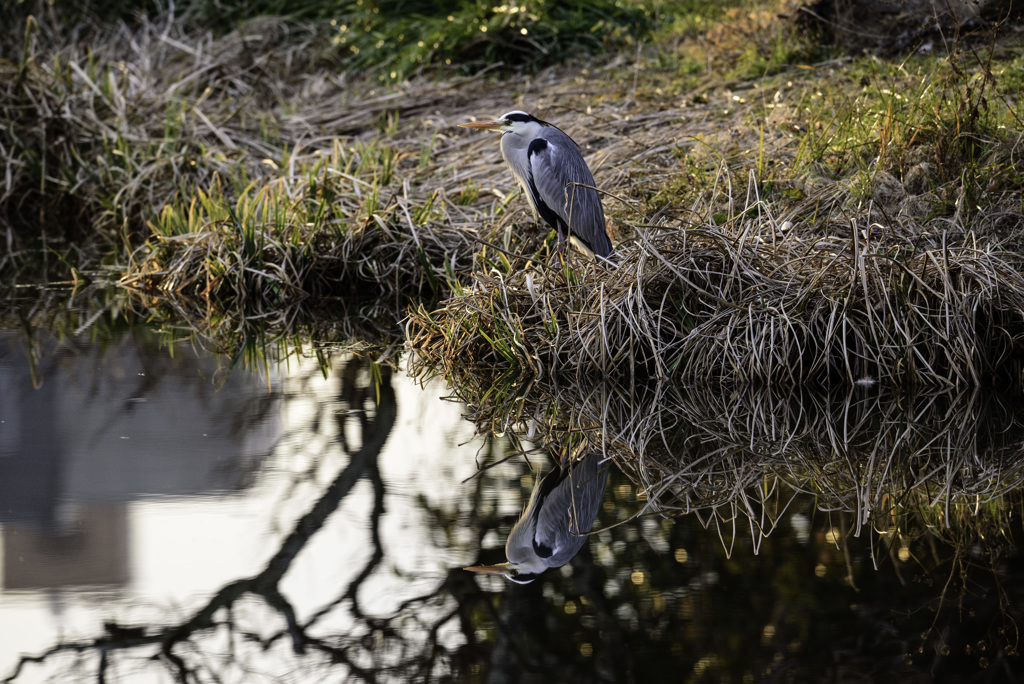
x=166, y=518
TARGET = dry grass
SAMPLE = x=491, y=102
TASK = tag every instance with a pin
x=760, y=300
x=791, y=233
x=108, y=146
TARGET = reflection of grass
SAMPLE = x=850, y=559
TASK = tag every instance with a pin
x=263, y=340
x=896, y=510
x=257, y=342
x=897, y=466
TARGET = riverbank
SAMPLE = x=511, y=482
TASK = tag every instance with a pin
x=786, y=210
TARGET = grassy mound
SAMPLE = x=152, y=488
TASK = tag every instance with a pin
x=203, y=178
x=759, y=301
x=862, y=224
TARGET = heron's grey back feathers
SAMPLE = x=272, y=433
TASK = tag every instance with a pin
x=559, y=185
x=564, y=183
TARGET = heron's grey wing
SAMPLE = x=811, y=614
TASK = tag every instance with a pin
x=569, y=510
x=556, y=167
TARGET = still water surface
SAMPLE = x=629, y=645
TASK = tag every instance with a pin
x=166, y=518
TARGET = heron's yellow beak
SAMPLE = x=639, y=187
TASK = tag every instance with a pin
x=486, y=125
x=498, y=569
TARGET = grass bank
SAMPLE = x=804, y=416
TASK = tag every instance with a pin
x=123, y=125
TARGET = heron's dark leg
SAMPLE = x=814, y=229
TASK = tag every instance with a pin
x=559, y=255
x=562, y=243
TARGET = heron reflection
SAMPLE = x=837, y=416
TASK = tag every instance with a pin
x=554, y=525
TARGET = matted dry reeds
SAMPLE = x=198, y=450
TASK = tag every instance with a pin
x=756, y=301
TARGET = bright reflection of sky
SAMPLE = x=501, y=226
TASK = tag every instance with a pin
x=181, y=548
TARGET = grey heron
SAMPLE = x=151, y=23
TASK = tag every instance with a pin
x=553, y=528
x=554, y=177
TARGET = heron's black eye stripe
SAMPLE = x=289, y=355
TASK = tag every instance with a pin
x=520, y=116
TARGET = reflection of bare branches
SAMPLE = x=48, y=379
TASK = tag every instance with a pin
x=363, y=463
x=354, y=395
x=432, y=632
x=641, y=599
x=265, y=583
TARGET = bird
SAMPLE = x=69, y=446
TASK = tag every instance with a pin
x=555, y=179
x=553, y=527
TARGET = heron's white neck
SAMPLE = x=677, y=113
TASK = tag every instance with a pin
x=521, y=133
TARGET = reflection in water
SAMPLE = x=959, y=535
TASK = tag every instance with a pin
x=85, y=430
x=554, y=526
x=743, y=577
x=265, y=585
x=801, y=535
x=330, y=458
